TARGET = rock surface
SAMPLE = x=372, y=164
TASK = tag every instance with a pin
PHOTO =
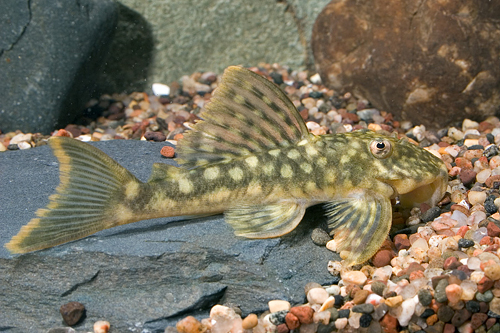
x=50, y=54
x=146, y=275
x=214, y=34
x=431, y=62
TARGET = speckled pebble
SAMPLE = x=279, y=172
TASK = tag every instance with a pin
x=278, y=317
x=320, y=237
x=465, y=243
x=363, y=308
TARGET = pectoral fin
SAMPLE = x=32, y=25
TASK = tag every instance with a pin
x=265, y=221
x=361, y=223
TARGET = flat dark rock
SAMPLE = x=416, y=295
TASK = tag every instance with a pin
x=146, y=275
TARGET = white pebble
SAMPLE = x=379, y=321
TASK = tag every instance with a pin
x=18, y=138
x=160, y=89
x=383, y=273
x=460, y=217
x=476, y=276
x=333, y=290
x=420, y=244
x=354, y=320
x=317, y=296
x=408, y=308
x=101, y=326
x=341, y=323
x=373, y=299
x=24, y=145
x=455, y=133
x=469, y=124
x=473, y=263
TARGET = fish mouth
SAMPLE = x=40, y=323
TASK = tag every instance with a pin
x=430, y=191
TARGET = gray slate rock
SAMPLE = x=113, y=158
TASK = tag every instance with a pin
x=50, y=55
x=147, y=275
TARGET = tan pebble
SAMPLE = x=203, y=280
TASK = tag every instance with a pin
x=354, y=277
x=495, y=305
x=24, y=145
x=476, y=197
x=328, y=304
x=189, y=325
x=495, y=162
x=483, y=175
x=394, y=301
x=2, y=147
x=492, y=272
x=278, y=305
x=250, y=321
x=101, y=326
x=317, y=296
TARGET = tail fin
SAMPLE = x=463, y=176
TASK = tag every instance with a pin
x=91, y=186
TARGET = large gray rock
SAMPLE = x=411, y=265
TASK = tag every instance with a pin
x=146, y=275
x=209, y=35
x=50, y=55
x=431, y=62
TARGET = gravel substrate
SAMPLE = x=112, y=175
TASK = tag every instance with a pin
x=438, y=272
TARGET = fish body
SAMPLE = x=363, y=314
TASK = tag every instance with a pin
x=253, y=159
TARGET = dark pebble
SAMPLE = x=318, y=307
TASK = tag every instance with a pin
x=72, y=312
x=472, y=306
x=465, y=243
x=339, y=301
x=315, y=94
x=322, y=328
x=431, y=214
x=13, y=146
x=380, y=311
x=277, y=78
x=363, y=308
x=493, y=314
x=440, y=292
x=490, y=137
x=320, y=237
x=424, y=297
x=489, y=204
x=491, y=151
x=475, y=147
x=494, y=329
x=365, y=320
x=427, y=313
x=378, y=287
x=334, y=314
x=459, y=274
x=155, y=136
x=467, y=176
x=278, y=317
x=344, y=313
x=460, y=317
x=445, y=313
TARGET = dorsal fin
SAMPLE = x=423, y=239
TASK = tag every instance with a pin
x=247, y=114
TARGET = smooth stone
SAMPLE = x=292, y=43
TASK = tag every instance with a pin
x=317, y=296
x=278, y=305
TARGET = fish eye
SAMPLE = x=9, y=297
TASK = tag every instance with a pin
x=381, y=148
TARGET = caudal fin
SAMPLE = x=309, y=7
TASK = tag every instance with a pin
x=91, y=186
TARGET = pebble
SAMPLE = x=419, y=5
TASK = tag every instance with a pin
x=486, y=297
x=248, y=323
x=61, y=330
x=167, y=151
x=102, y=326
x=278, y=317
x=317, y=296
x=320, y=237
x=354, y=277
x=292, y=322
x=424, y=297
x=278, y=305
x=303, y=313
x=72, y=312
x=363, y=308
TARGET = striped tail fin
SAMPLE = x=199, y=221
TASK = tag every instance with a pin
x=87, y=200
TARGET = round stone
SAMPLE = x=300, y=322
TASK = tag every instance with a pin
x=317, y=296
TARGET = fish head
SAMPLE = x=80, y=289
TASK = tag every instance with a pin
x=415, y=175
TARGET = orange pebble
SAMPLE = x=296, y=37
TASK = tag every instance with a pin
x=168, y=151
x=101, y=326
x=178, y=136
x=63, y=132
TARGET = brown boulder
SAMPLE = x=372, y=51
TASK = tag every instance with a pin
x=432, y=62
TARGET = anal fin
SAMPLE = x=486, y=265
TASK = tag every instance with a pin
x=265, y=221
x=361, y=224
